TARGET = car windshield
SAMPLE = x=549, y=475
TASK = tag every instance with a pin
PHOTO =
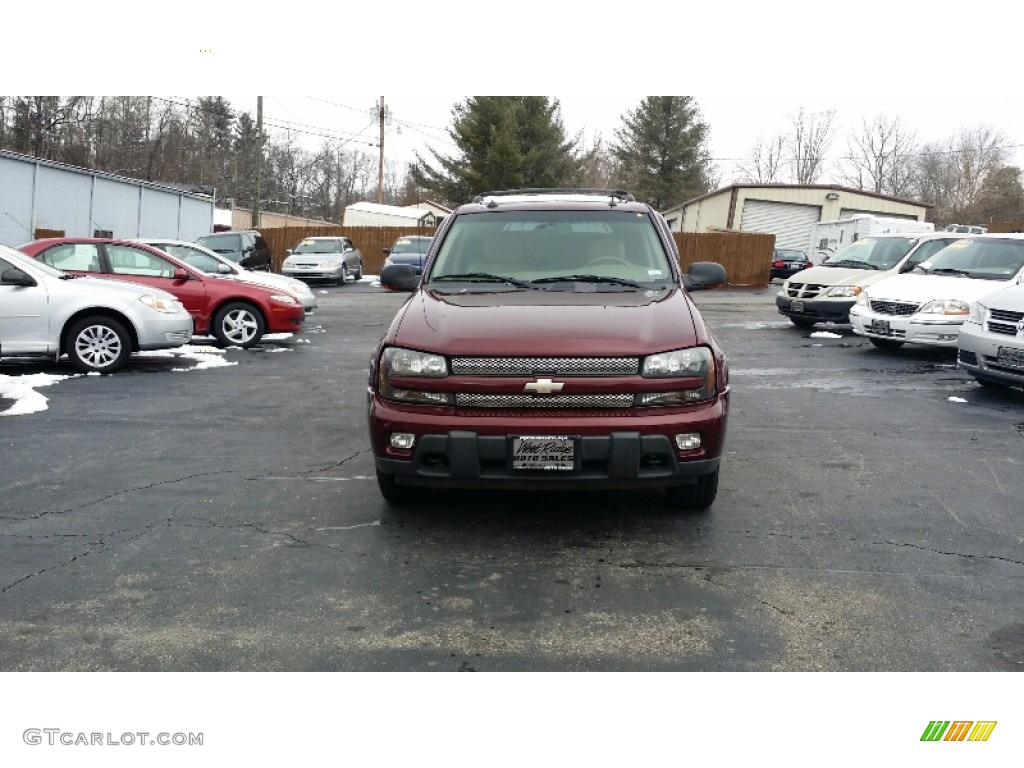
x=617, y=250
x=204, y=262
x=225, y=244
x=18, y=260
x=873, y=253
x=318, y=246
x=984, y=259
x=791, y=255
x=411, y=245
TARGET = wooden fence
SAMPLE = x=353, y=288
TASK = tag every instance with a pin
x=746, y=256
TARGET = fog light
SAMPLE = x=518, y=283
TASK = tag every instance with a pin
x=403, y=440
x=688, y=442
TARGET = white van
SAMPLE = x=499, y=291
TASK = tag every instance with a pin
x=825, y=293
x=929, y=304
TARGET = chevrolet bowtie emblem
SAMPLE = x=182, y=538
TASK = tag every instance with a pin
x=544, y=386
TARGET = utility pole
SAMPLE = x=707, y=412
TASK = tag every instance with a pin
x=380, y=165
x=259, y=163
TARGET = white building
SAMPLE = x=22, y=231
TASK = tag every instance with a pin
x=425, y=214
x=42, y=194
x=787, y=211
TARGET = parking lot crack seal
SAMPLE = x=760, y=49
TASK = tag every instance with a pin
x=41, y=571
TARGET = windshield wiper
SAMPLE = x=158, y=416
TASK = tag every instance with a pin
x=481, y=277
x=590, y=279
x=949, y=271
x=849, y=263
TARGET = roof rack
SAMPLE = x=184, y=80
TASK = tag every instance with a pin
x=617, y=195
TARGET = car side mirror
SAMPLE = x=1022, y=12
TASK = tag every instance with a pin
x=288, y=251
x=224, y=269
x=17, y=277
x=399, y=277
x=180, y=274
x=703, y=275
x=387, y=251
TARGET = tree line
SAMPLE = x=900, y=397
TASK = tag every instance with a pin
x=660, y=152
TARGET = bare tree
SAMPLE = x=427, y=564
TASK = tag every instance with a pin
x=812, y=136
x=881, y=158
x=951, y=176
x=766, y=161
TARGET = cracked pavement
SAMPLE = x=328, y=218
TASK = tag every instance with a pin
x=228, y=519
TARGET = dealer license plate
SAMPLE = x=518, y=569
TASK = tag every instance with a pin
x=881, y=327
x=548, y=452
x=796, y=306
x=1011, y=357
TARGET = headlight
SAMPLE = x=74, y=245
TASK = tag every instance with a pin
x=945, y=307
x=298, y=286
x=977, y=313
x=284, y=298
x=396, y=361
x=160, y=304
x=692, y=363
x=847, y=291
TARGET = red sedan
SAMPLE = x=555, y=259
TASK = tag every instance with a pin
x=235, y=313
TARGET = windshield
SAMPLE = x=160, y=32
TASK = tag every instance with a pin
x=995, y=259
x=615, y=249
x=204, y=262
x=227, y=244
x=411, y=245
x=18, y=260
x=873, y=253
x=318, y=246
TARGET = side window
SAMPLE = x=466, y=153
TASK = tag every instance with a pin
x=197, y=259
x=125, y=260
x=73, y=257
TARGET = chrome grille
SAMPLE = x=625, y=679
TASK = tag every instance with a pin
x=531, y=366
x=1003, y=322
x=899, y=308
x=553, y=401
x=804, y=290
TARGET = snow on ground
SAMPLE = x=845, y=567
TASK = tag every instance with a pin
x=22, y=390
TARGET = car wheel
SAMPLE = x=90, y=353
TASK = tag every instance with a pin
x=98, y=345
x=698, y=496
x=991, y=383
x=238, y=324
x=885, y=343
x=359, y=272
x=800, y=322
x=392, y=491
x=343, y=277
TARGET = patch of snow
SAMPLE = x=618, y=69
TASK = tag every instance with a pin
x=22, y=390
x=956, y=400
x=826, y=335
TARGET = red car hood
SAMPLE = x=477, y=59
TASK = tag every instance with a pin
x=542, y=323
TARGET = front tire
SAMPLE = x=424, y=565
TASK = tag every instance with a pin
x=800, y=322
x=696, y=497
x=885, y=343
x=98, y=345
x=238, y=324
x=359, y=272
x=392, y=492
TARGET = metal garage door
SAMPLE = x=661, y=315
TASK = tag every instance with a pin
x=790, y=223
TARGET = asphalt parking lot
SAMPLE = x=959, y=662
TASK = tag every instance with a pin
x=215, y=509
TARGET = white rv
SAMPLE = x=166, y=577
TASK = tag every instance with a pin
x=830, y=237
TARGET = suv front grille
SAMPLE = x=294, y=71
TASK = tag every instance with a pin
x=551, y=401
x=532, y=366
x=804, y=290
x=1004, y=322
x=899, y=308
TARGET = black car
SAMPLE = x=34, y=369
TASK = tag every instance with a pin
x=787, y=262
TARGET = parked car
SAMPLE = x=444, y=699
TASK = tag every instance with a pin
x=825, y=293
x=928, y=305
x=551, y=344
x=236, y=245
x=98, y=324
x=408, y=249
x=234, y=312
x=214, y=264
x=330, y=259
x=990, y=346
x=786, y=262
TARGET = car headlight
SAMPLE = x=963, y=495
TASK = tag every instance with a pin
x=160, y=304
x=977, y=313
x=845, y=291
x=284, y=298
x=396, y=361
x=297, y=286
x=945, y=307
x=696, y=363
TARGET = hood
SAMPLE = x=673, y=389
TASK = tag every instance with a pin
x=1010, y=299
x=542, y=323
x=920, y=288
x=840, y=276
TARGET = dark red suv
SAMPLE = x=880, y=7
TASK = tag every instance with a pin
x=234, y=312
x=550, y=343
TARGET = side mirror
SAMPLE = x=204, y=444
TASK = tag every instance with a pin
x=180, y=274
x=17, y=277
x=224, y=269
x=703, y=275
x=288, y=251
x=387, y=251
x=399, y=277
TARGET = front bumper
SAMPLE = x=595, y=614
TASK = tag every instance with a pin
x=314, y=273
x=164, y=331
x=818, y=310
x=912, y=329
x=460, y=450
x=979, y=354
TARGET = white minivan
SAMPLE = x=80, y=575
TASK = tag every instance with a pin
x=929, y=304
x=825, y=293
